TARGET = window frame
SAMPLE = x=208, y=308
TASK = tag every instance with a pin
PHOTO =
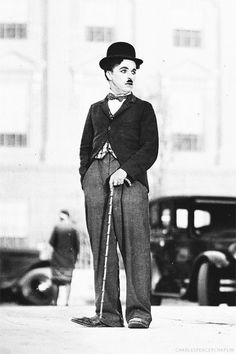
x=20, y=31
x=187, y=38
x=187, y=144
x=99, y=34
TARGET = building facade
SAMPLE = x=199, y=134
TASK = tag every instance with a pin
x=49, y=76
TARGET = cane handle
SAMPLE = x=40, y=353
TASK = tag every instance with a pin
x=128, y=182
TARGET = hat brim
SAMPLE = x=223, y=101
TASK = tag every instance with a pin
x=106, y=60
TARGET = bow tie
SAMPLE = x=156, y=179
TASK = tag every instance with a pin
x=111, y=96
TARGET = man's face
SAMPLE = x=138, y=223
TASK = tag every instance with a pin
x=63, y=217
x=122, y=77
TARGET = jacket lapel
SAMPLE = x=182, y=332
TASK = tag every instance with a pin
x=105, y=108
x=126, y=105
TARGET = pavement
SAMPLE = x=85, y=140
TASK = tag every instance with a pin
x=44, y=330
x=176, y=328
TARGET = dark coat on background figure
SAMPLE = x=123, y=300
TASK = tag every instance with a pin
x=66, y=246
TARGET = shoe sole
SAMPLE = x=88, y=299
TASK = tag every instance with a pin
x=137, y=324
x=87, y=324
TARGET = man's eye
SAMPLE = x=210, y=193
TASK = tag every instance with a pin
x=123, y=71
x=134, y=72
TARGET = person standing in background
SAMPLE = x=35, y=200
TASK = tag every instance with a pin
x=66, y=246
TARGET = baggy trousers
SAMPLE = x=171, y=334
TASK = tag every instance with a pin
x=130, y=229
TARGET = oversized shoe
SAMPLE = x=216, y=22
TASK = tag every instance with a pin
x=89, y=321
x=94, y=322
x=137, y=322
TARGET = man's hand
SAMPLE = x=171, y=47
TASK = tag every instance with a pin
x=117, y=178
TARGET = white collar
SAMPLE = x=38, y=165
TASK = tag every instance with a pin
x=121, y=94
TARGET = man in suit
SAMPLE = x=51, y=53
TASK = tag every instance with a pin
x=119, y=144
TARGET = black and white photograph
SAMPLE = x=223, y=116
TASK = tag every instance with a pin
x=117, y=176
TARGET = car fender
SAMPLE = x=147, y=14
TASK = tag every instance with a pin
x=13, y=283
x=44, y=270
x=41, y=264
x=216, y=258
x=156, y=274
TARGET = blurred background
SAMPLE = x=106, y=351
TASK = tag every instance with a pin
x=49, y=76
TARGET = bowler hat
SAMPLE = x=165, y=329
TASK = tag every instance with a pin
x=120, y=50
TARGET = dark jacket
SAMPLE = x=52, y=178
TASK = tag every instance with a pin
x=132, y=133
x=66, y=245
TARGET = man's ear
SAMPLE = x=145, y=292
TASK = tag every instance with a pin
x=108, y=75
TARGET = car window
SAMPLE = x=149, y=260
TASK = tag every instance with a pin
x=154, y=214
x=215, y=215
x=166, y=217
x=181, y=218
x=201, y=218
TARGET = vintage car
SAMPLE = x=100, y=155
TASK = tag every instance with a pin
x=25, y=277
x=193, y=249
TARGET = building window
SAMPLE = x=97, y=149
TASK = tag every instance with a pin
x=99, y=34
x=14, y=121
x=13, y=140
x=13, y=31
x=187, y=142
x=187, y=38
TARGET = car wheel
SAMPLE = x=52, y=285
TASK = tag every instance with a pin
x=155, y=300
x=36, y=288
x=208, y=285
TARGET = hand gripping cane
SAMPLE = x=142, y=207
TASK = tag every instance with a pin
x=128, y=183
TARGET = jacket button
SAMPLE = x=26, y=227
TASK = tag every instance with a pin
x=109, y=128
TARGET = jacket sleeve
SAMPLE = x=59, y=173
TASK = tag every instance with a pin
x=146, y=155
x=76, y=243
x=86, y=145
x=53, y=238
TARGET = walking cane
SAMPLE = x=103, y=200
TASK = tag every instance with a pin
x=107, y=248
x=128, y=183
